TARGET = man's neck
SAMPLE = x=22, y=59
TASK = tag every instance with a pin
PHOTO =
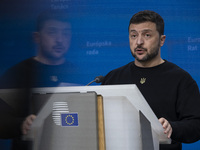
x=49, y=61
x=149, y=64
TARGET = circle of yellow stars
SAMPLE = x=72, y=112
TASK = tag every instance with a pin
x=69, y=116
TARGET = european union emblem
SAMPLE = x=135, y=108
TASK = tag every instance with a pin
x=69, y=119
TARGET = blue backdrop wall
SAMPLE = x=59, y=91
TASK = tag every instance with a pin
x=100, y=34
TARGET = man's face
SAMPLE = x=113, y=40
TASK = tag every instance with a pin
x=145, y=41
x=54, y=39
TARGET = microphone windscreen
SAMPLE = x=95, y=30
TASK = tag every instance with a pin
x=99, y=79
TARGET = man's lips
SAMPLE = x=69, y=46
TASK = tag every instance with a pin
x=140, y=51
x=58, y=48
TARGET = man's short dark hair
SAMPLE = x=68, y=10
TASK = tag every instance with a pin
x=151, y=16
x=51, y=14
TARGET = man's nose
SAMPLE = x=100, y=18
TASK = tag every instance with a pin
x=140, y=40
x=59, y=37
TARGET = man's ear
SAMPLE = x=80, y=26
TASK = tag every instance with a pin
x=36, y=37
x=162, y=40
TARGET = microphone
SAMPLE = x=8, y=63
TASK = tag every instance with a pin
x=98, y=79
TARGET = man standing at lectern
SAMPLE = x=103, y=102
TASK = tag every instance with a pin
x=169, y=90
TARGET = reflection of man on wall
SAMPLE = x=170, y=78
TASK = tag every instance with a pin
x=49, y=67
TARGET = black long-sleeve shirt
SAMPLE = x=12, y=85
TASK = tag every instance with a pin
x=171, y=93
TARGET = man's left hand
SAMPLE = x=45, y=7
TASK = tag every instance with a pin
x=166, y=126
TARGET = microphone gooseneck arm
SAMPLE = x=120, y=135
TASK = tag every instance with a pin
x=98, y=79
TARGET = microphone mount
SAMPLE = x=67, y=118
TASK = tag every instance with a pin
x=98, y=79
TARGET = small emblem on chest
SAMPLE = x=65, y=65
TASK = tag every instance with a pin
x=142, y=80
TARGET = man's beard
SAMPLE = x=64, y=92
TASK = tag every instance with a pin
x=149, y=56
x=52, y=54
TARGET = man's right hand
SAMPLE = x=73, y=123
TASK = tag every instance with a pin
x=26, y=125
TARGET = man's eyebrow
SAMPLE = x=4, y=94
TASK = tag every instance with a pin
x=57, y=28
x=145, y=30
x=133, y=30
x=51, y=27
